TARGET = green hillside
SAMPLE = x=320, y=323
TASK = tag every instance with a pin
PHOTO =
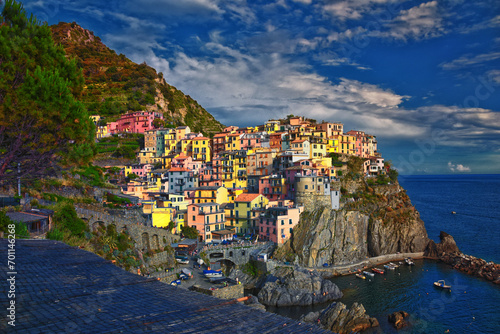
x=114, y=84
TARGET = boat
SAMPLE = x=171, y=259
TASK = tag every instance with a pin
x=360, y=276
x=393, y=264
x=378, y=271
x=366, y=273
x=442, y=285
x=409, y=261
x=389, y=267
x=212, y=273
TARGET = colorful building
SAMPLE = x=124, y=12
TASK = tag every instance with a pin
x=246, y=211
x=207, y=218
x=277, y=223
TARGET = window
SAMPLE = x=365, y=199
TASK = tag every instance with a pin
x=207, y=228
x=282, y=222
x=306, y=187
x=291, y=229
x=194, y=218
x=248, y=204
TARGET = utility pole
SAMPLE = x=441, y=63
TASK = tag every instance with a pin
x=19, y=179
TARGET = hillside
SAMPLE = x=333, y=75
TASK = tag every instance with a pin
x=114, y=84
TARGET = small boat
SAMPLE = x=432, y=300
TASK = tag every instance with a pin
x=389, y=267
x=393, y=264
x=360, y=276
x=442, y=285
x=378, y=271
x=453, y=213
x=366, y=273
x=212, y=273
x=409, y=261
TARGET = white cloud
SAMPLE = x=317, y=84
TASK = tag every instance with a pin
x=458, y=168
x=420, y=22
x=470, y=60
x=494, y=76
x=305, y=2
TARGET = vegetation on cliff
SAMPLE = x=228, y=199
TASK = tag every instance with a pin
x=114, y=84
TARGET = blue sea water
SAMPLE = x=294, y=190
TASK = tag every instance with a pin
x=473, y=304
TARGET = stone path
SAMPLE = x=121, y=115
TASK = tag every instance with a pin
x=61, y=289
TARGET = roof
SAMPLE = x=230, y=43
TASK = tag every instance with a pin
x=208, y=188
x=221, y=135
x=201, y=138
x=178, y=169
x=25, y=217
x=298, y=141
x=246, y=197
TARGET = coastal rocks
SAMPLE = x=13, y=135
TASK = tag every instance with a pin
x=473, y=266
x=254, y=302
x=289, y=286
x=447, y=251
x=338, y=319
x=447, y=245
x=249, y=281
x=397, y=319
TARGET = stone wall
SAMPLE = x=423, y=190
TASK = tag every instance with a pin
x=312, y=202
x=228, y=292
x=165, y=257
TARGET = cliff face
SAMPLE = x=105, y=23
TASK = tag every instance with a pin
x=373, y=220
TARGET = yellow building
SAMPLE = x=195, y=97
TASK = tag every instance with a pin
x=271, y=126
x=247, y=208
x=233, y=142
x=201, y=149
x=170, y=143
x=317, y=150
x=102, y=131
x=347, y=144
x=332, y=146
x=213, y=194
x=233, y=171
x=162, y=216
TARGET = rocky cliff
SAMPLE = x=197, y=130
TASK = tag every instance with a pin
x=375, y=218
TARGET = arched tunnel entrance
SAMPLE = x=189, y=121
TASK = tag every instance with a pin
x=226, y=266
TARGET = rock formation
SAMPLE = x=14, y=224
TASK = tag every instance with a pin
x=296, y=286
x=447, y=251
x=341, y=320
x=373, y=220
x=397, y=319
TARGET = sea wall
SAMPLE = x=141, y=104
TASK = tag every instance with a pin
x=228, y=292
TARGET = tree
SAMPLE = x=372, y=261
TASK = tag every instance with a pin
x=42, y=123
x=189, y=232
x=158, y=123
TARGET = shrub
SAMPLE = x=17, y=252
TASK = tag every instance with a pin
x=67, y=218
x=55, y=234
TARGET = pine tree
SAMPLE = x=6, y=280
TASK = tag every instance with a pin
x=42, y=123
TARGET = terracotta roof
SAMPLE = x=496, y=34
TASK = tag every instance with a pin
x=220, y=135
x=178, y=169
x=201, y=138
x=298, y=141
x=246, y=197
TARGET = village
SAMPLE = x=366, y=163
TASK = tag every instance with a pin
x=251, y=182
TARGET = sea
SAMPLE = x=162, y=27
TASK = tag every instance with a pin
x=468, y=208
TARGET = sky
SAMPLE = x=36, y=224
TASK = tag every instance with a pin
x=422, y=76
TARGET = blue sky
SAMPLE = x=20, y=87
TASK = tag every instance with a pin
x=423, y=76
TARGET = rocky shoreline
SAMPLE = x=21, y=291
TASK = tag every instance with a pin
x=447, y=251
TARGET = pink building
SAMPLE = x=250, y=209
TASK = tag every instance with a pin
x=207, y=176
x=273, y=187
x=135, y=122
x=277, y=223
x=209, y=220
x=186, y=162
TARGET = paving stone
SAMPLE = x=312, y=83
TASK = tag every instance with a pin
x=64, y=289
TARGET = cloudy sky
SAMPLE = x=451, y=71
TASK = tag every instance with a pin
x=423, y=76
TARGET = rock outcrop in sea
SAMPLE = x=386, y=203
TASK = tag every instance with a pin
x=447, y=251
x=297, y=286
x=373, y=219
x=341, y=320
x=397, y=319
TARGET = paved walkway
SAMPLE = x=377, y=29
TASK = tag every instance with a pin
x=61, y=289
x=351, y=268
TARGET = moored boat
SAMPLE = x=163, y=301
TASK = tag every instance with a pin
x=378, y=271
x=212, y=273
x=360, y=276
x=409, y=261
x=389, y=267
x=442, y=285
x=366, y=273
x=393, y=264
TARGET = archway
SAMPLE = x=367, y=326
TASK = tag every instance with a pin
x=227, y=266
x=145, y=242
